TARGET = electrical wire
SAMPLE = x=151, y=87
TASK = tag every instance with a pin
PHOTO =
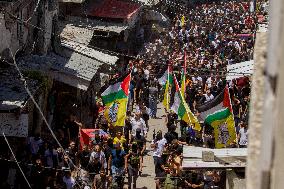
x=35, y=9
x=60, y=170
x=6, y=140
x=96, y=48
x=39, y=109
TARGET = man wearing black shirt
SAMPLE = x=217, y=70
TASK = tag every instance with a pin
x=190, y=96
x=200, y=99
x=194, y=180
x=171, y=135
x=208, y=139
x=140, y=140
x=128, y=127
x=139, y=83
x=73, y=126
x=72, y=152
x=38, y=175
x=211, y=180
x=84, y=157
x=171, y=119
x=95, y=166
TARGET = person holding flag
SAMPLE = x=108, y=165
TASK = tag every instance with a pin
x=166, y=82
x=218, y=113
x=181, y=108
x=115, y=98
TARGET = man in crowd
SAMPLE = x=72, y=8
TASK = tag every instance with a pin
x=84, y=157
x=158, y=145
x=138, y=122
x=133, y=165
x=140, y=141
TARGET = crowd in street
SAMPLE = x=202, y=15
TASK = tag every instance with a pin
x=211, y=36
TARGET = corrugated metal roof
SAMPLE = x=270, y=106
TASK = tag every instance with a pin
x=83, y=28
x=76, y=64
x=89, y=52
x=73, y=65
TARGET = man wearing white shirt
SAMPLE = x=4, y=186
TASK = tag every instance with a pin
x=196, y=79
x=208, y=96
x=158, y=145
x=138, y=122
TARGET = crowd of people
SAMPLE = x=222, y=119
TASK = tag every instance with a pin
x=208, y=37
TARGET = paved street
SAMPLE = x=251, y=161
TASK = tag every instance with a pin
x=147, y=178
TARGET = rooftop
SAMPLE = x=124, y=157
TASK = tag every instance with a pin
x=114, y=9
x=76, y=67
x=76, y=64
x=82, y=29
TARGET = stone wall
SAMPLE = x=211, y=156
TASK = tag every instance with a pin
x=256, y=113
x=24, y=37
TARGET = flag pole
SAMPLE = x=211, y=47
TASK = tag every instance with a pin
x=128, y=94
x=168, y=83
x=231, y=108
x=184, y=73
x=183, y=101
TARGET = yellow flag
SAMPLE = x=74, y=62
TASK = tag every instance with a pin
x=166, y=100
x=115, y=113
x=182, y=20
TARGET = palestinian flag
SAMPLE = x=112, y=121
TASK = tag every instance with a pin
x=88, y=135
x=218, y=113
x=183, y=85
x=166, y=81
x=115, y=98
x=181, y=108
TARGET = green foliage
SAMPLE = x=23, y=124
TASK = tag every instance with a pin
x=38, y=76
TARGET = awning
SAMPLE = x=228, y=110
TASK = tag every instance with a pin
x=239, y=70
x=74, y=68
x=114, y=9
x=82, y=29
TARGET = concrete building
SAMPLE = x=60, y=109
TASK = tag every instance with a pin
x=114, y=24
x=18, y=24
x=25, y=27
